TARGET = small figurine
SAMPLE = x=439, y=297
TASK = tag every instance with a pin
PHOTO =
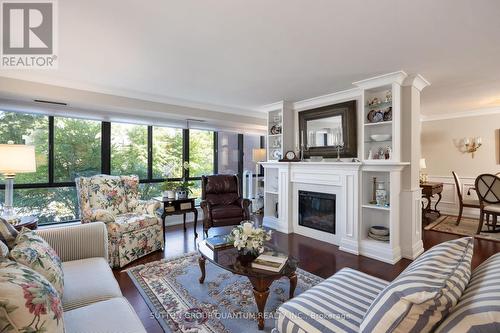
x=388, y=153
x=388, y=95
x=381, y=153
x=370, y=154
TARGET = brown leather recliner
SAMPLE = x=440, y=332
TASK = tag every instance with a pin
x=222, y=203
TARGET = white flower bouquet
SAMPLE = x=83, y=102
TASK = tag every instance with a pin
x=248, y=239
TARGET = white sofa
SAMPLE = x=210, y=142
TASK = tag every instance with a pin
x=92, y=300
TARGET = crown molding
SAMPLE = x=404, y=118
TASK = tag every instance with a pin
x=382, y=80
x=464, y=114
x=328, y=99
x=269, y=107
x=417, y=81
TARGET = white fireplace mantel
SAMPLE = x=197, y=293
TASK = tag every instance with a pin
x=284, y=180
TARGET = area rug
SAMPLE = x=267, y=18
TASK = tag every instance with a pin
x=467, y=227
x=223, y=303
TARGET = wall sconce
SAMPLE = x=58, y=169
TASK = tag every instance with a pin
x=471, y=146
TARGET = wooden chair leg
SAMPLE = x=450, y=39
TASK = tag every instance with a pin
x=459, y=215
x=481, y=221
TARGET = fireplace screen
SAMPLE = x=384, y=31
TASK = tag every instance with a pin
x=317, y=211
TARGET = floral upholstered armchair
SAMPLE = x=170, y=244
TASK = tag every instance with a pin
x=134, y=229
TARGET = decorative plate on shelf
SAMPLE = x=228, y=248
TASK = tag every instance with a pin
x=276, y=154
x=275, y=129
x=375, y=116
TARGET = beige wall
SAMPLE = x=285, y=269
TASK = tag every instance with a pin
x=441, y=146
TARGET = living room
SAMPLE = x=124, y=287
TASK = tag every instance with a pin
x=234, y=167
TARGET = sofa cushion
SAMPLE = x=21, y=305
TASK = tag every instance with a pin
x=8, y=233
x=4, y=250
x=88, y=281
x=112, y=316
x=225, y=212
x=420, y=297
x=28, y=302
x=130, y=222
x=337, y=304
x=478, y=310
x=33, y=251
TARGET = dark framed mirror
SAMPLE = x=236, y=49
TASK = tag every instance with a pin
x=323, y=129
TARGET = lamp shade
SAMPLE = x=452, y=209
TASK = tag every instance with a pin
x=258, y=154
x=423, y=165
x=17, y=159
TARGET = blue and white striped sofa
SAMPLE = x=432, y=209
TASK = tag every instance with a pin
x=436, y=293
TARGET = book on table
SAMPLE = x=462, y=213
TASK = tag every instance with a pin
x=270, y=261
x=218, y=242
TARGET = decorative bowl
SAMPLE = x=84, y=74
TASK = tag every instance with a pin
x=380, y=137
x=379, y=230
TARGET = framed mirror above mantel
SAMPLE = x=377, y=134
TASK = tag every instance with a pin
x=323, y=130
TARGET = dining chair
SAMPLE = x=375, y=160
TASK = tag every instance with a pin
x=461, y=201
x=488, y=190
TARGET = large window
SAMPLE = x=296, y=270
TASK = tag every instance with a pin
x=28, y=129
x=228, y=152
x=67, y=148
x=77, y=148
x=250, y=142
x=50, y=205
x=167, y=152
x=129, y=150
x=201, y=153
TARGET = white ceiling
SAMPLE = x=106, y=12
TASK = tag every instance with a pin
x=245, y=54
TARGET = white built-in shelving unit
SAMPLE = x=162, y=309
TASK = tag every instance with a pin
x=381, y=101
x=375, y=97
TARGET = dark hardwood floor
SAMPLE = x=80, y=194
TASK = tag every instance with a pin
x=316, y=257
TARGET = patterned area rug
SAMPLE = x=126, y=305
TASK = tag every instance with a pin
x=223, y=303
x=467, y=227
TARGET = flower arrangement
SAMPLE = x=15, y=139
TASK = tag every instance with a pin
x=248, y=239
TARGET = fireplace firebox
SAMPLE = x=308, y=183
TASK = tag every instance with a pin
x=317, y=211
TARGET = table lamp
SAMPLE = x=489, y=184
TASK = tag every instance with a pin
x=423, y=176
x=14, y=159
x=258, y=155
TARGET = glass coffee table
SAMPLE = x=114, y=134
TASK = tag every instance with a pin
x=227, y=258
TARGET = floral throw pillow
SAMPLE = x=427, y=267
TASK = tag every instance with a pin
x=33, y=251
x=8, y=233
x=28, y=302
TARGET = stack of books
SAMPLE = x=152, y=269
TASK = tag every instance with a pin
x=270, y=261
x=219, y=242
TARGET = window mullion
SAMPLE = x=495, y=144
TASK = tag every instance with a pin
x=51, y=150
x=150, y=152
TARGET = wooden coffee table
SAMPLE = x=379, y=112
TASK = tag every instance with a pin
x=261, y=280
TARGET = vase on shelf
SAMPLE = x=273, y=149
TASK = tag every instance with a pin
x=381, y=194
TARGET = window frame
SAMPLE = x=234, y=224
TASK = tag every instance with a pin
x=106, y=158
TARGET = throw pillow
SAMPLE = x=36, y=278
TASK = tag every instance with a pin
x=33, y=251
x=4, y=250
x=420, y=297
x=8, y=233
x=28, y=302
x=478, y=310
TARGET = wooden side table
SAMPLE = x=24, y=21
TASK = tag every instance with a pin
x=178, y=207
x=30, y=222
x=429, y=189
